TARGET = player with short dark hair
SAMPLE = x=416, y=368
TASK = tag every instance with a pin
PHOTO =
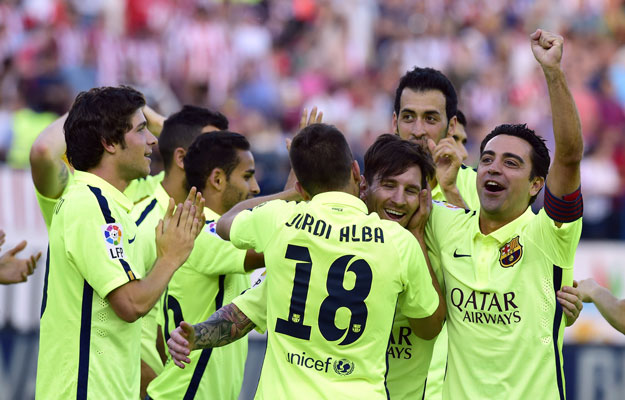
x=221, y=164
x=182, y=127
x=503, y=265
x=313, y=346
x=96, y=281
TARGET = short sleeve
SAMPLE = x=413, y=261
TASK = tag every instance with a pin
x=212, y=255
x=46, y=204
x=94, y=247
x=558, y=244
x=253, y=229
x=253, y=303
x=419, y=298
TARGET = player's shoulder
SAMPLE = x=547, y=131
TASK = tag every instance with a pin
x=82, y=198
x=444, y=209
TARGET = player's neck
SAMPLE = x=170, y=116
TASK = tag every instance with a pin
x=175, y=185
x=110, y=174
x=489, y=223
x=215, y=203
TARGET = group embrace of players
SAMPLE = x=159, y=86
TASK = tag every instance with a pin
x=371, y=289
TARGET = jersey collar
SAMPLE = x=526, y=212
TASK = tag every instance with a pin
x=340, y=198
x=504, y=233
x=161, y=196
x=93, y=180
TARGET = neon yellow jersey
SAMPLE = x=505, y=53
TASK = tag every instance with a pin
x=212, y=276
x=141, y=188
x=411, y=359
x=334, y=277
x=253, y=303
x=82, y=341
x=500, y=292
x=146, y=214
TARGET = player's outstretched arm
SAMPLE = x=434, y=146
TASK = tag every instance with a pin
x=612, y=309
x=225, y=221
x=226, y=325
x=47, y=168
x=564, y=174
x=13, y=269
x=571, y=302
x=175, y=236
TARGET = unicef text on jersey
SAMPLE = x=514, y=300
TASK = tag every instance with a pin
x=341, y=366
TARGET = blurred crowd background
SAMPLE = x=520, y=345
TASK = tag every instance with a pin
x=261, y=62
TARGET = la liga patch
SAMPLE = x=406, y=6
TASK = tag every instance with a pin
x=113, y=234
x=211, y=227
x=114, y=240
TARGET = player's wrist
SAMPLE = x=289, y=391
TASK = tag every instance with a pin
x=552, y=72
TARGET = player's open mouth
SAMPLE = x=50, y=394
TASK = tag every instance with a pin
x=493, y=186
x=393, y=214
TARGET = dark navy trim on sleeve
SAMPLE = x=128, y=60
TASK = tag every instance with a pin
x=569, y=208
x=106, y=212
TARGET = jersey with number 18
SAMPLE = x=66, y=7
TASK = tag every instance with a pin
x=334, y=277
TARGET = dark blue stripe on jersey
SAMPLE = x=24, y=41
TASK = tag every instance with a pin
x=425, y=385
x=106, y=212
x=557, y=320
x=44, y=298
x=206, y=353
x=104, y=205
x=567, y=209
x=129, y=273
x=145, y=212
x=85, y=341
x=390, y=338
x=166, y=315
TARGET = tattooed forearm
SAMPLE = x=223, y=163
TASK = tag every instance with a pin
x=63, y=174
x=225, y=326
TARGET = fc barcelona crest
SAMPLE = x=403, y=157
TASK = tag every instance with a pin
x=510, y=253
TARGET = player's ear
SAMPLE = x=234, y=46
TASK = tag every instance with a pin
x=451, y=126
x=110, y=148
x=363, y=188
x=302, y=192
x=536, y=185
x=217, y=179
x=356, y=172
x=179, y=154
x=394, y=124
